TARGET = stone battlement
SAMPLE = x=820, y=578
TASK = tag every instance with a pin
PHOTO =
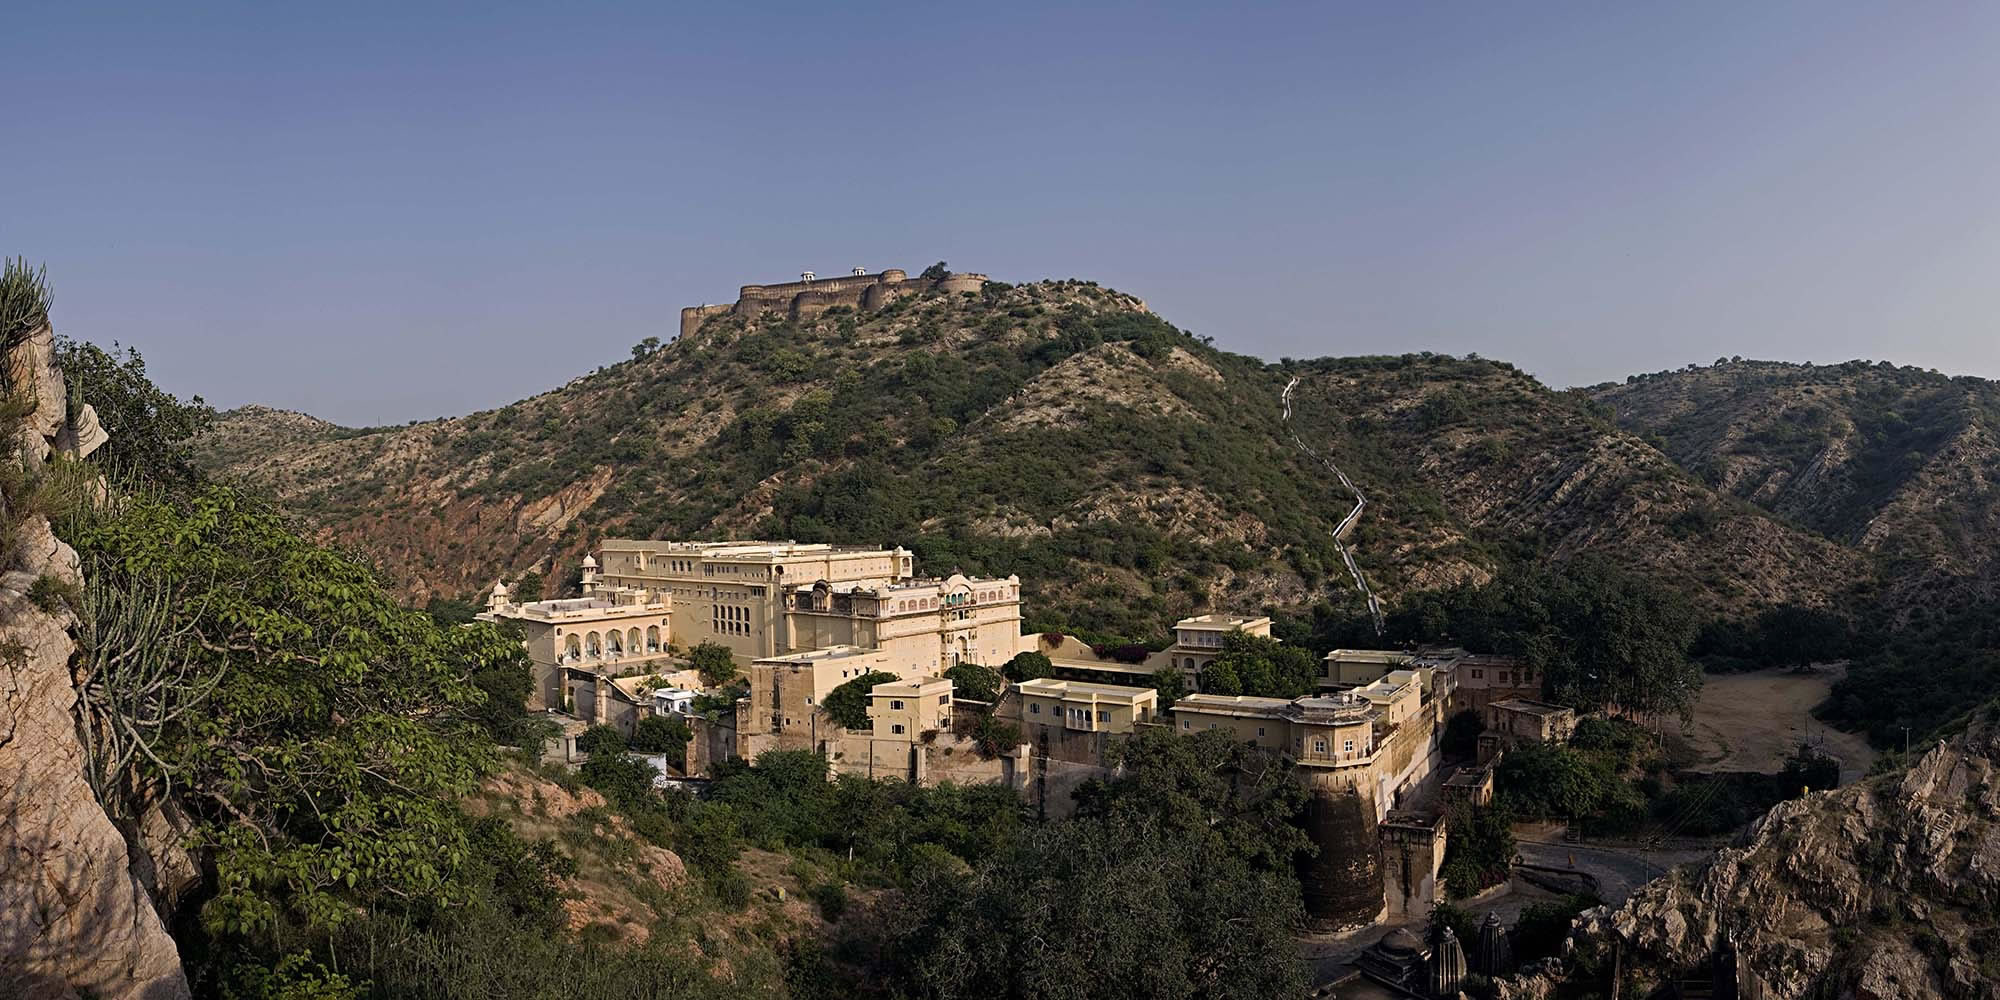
x=810, y=297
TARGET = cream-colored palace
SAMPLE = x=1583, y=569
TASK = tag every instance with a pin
x=765, y=601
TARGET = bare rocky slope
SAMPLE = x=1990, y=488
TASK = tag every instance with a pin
x=76, y=918
x=1884, y=890
x=1128, y=472
x=1901, y=463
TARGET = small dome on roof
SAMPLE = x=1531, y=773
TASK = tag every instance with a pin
x=589, y=563
x=1400, y=942
x=499, y=587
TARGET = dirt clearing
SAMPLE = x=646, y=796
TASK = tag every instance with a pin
x=1753, y=721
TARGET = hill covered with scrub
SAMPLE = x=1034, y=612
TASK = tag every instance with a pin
x=1130, y=472
x=1898, y=462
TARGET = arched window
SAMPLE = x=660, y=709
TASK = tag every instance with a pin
x=614, y=643
x=652, y=638
x=593, y=645
x=572, y=649
x=632, y=640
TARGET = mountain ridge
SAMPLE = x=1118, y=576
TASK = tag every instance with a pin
x=1128, y=471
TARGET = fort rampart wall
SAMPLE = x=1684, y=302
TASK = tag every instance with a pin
x=806, y=299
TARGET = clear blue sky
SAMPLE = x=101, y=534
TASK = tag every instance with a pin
x=380, y=212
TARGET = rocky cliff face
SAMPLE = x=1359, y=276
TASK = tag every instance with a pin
x=1882, y=890
x=75, y=919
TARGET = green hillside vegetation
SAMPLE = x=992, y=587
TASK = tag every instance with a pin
x=1129, y=472
x=1898, y=461
x=329, y=747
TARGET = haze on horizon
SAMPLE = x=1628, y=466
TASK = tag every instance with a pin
x=384, y=212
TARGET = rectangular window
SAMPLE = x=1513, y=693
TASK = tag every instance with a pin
x=1346, y=746
x=1260, y=730
x=1035, y=709
x=895, y=706
x=1319, y=746
x=944, y=699
x=1477, y=674
x=1103, y=716
x=897, y=729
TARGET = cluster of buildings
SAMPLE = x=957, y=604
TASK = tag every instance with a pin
x=800, y=620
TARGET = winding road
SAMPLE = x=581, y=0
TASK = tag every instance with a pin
x=1346, y=525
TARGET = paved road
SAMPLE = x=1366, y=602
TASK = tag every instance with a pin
x=1617, y=872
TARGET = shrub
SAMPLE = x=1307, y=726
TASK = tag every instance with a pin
x=970, y=680
x=601, y=739
x=1028, y=666
x=847, y=705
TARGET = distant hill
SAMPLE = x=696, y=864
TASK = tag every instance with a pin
x=1896, y=462
x=1128, y=472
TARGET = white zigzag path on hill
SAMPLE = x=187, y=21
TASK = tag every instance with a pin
x=1346, y=525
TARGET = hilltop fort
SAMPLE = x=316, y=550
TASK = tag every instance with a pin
x=812, y=294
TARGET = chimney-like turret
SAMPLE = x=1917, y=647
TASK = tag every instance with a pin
x=1494, y=957
x=1447, y=966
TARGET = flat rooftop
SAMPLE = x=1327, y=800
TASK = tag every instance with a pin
x=907, y=687
x=817, y=655
x=1221, y=621
x=1529, y=707
x=1112, y=666
x=1232, y=704
x=1051, y=687
x=1367, y=656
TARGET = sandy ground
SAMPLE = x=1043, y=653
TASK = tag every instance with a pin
x=1752, y=722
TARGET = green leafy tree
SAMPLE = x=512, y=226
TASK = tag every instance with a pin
x=1544, y=781
x=528, y=587
x=1091, y=909
x=970, y=680
x=994, y=737
x=321, y=735
x=150, y=429
x=936, y=271
x=1028, y=666
x=1260, y=666
x=1479, y=851
x=1205, y=787
x=1171, y=685
x=1461, y=734
x=451, y=611
x=1602, y=636
x=847, y=705
x=716, y=663
x=1793, y=636
x=601, y=739
x=663, y=734
x=657, y=733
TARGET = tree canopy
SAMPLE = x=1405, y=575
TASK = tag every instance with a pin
x=1603, y=637
x=716, y=663
x=1027, y=666
x=847, y=705
x=1260, y=666
x=321, y=731
x=970, y=680
x=149, y=429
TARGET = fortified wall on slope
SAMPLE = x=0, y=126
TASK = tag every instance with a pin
x=812, y=294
